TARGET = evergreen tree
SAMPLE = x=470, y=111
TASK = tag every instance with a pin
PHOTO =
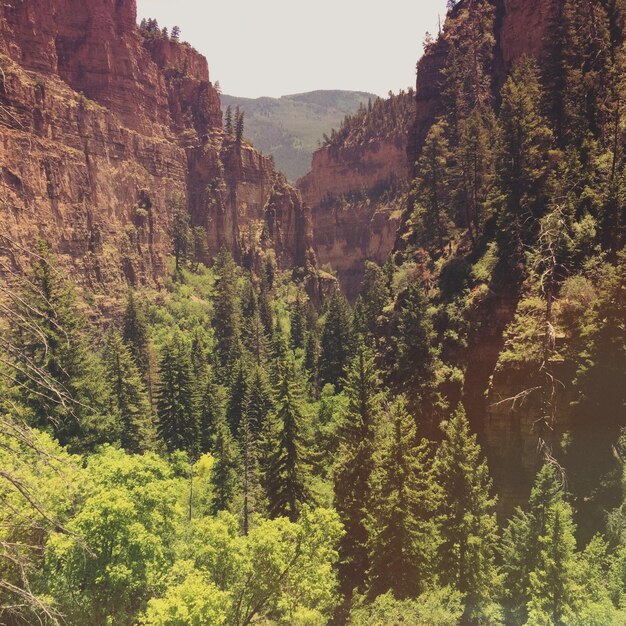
x=258, y=401
x=354, y=467
x=431, y=193
x=211, y=412
x=311, y=356
x=235, y=402
x=228, y=120
x=467, y=524
x=522, y=161
x=336, y=341
x=553, y=589
x=521, y=543
x=129, y=400
x=415, y=353
x=182, y=234
x=177, y=402
x=60, y=379
x=288, y=482
x=403, y=537
x=298, y=322
x=239, y=125
x=226, y=322
x=224, y=477
x=372, y=300
x=136, y=336
x=250, y=479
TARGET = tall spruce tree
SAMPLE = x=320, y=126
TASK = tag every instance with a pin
x=211, y=411
x=136, y=335
x=235, y=402
x=468, y=523
x=521, y=544
x=403, y=534
x=288, y=481
x=226, y=320
x=354, y=467
x=337, y=341
x=225, y=472
x=177, y=398
x=129, y=400
x=60, y=379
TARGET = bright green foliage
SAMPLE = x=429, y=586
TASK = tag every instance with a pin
x=224, y=477
x=129, y=400
x=468, y=524
x=121, y=544
x=226, y=322
x=434, y=608
x=177, y=400
x=60, y=380
x=553, y=591
x=39, y=486
x=403, y=537
x=288, y=480
x=521, y=543
x=192, y=601
x=355, y=465
x=336, y=341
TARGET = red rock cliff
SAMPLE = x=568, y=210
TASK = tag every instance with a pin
x=100, y=128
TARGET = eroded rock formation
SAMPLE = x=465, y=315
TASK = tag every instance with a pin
x=101, y=128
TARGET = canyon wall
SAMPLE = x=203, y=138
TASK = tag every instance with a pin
x=103, y=131
x=354, y=220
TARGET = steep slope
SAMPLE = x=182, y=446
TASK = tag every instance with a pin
x=357, y=188
x=104, y=129
x=289, y=128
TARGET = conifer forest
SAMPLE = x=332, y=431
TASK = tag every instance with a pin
x=203, y=424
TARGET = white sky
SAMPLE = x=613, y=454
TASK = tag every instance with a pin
x=278, y=47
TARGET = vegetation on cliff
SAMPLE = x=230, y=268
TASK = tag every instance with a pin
x=235, y=449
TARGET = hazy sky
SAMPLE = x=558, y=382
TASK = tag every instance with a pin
x=278, y=47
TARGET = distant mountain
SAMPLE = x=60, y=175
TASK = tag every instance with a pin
x=289, y=128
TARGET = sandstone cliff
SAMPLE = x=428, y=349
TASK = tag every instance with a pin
x=101, y=128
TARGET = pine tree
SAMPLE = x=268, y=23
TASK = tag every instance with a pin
x=415, y=353
x=224, y=477
x=129, y=400
x=177, y=402
x=521, y=543
x=228, y=120
x=403, y=536
x=258, y=401
x=288, y=480
x=211, y=411
x=336, y=341
x=61, y=380
x=237, y=390
x=553, y=589
x=522, y=162
x=136, y=336
x=431, y=193
x=467, y=524
x=182, y=234
x=226, y=323
x=298, y=322
x=239, y=125
x=250, y=478
x=372, y=300
x=354, y=467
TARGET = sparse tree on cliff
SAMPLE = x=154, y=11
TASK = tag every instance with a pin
x=239, y=125
x=228, y=120
x=175, y=33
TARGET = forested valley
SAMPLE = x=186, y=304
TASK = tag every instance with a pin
x=241, y=444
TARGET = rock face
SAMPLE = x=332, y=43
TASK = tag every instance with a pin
x=100, y=130
x=354, y=217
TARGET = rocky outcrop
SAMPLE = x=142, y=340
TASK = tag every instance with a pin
x=101, y=129
x=353, y=192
